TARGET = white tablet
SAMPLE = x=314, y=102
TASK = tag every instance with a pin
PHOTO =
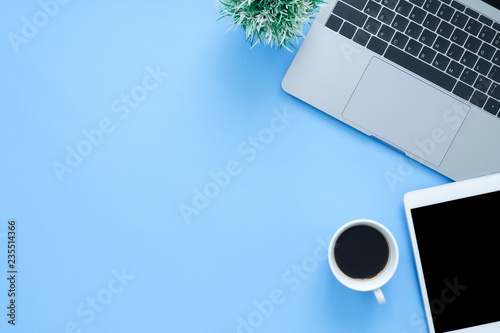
x=454, y=231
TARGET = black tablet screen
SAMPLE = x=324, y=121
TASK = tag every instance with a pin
x=459, y=246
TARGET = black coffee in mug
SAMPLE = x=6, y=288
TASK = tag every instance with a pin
x=361, y=252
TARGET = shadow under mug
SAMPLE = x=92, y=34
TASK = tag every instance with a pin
x=374, y=283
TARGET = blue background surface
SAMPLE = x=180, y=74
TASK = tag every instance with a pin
x=103, y=245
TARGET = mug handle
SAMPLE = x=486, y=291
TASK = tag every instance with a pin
x=379, y=295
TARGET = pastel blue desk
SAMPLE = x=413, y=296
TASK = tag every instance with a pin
x=162, y=181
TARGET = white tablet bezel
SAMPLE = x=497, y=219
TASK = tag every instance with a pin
x=438, y=194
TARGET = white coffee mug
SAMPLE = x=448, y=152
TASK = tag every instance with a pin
x=370, y=284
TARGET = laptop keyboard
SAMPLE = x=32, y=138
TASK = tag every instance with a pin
x=444, y=42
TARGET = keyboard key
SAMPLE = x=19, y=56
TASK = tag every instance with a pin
x=441, y=62
x=458, y=6
x=483, y=67
x=496, y=41
x=347, y=30
x=441, y=45
x=399, y=40
x=427, y=37
x=427, y=55
x=431, y=22
x=386, y=16
x=386, y=33
x=400, y=23
x=473, y=27
x=445, y=29
x=455, y=52
x=359, y=4
x=468, y=76
x=413, y=30
x=496, y=58
x=361, y=37
x=372, y=26
x=459, y=37
x=334, y=22
x=431, y=6
x=492, y=106
x=494, y=90
x=445, y=12
x=487, y=34
x=486, y=51
x=472, y=13
x=455, y=69
x=485, y=20
x=417, y=15
x=482, y=84
x=372, y=8
x=349, y=14
x=420, y=68
x=472, y=44
x=413, y=47
x=377, y=45
x=459, y=19
x=390, y=3
x=462, y=90
x=403, y=7
x=495, y=74
x=478, y=99
x=469, y=59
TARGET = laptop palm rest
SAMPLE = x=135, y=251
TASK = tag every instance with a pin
x=388, y=104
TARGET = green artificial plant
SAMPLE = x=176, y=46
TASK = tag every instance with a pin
x=270, y=22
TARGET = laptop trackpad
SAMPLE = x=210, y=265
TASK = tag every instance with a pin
x=405, y=112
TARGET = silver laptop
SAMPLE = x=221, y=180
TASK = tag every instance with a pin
x=422, y=76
